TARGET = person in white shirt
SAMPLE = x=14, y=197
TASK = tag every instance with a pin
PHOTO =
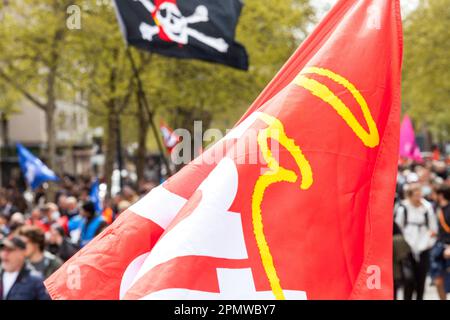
x=416, y=218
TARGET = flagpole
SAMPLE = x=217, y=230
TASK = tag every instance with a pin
x=143, y=99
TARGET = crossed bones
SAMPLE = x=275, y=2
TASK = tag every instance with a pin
x=169, y=18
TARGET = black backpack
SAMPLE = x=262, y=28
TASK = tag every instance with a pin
x=405, y=221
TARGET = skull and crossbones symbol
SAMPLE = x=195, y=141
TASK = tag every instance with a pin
x=171, y=25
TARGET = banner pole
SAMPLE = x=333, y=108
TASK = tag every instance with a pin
x=119, y=150
x=143, y=99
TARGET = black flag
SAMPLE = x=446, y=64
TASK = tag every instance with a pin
x=199, y=29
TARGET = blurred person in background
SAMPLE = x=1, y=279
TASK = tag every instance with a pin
x=84, y=194
x=440, y=254
x=401, y=253
x=92, y=223
x=39, y=196
x=43, y=261
x=72, y=207
x=17, y=220
x=425, y=181
x=18, y=281
x=4, y=226
x=417, y=221
x=115, y=205
x=59, y=244
x=18, y=200
x=123, y=205
x=62, y=204
x=441, y=170
x=49, y=215
x=35, y=219
x=145, y=187
x=6, y=206
x=129, y=195
x=108, y=212
x=436, y=152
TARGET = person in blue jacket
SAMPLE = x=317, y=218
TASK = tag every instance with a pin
x=18, y=280
x=92, y=223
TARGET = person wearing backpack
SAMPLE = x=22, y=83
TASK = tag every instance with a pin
x=417, y=221
x=440, y=254
x=401, y=252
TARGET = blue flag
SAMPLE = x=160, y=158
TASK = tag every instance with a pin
x=33, y=169
x=95, y=196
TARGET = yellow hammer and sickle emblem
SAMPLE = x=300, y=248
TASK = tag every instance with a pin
x=277, y=174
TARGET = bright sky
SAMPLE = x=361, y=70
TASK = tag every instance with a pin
x=325, y=5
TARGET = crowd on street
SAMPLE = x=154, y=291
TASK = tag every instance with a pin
x=38, y=236
x=422, y=229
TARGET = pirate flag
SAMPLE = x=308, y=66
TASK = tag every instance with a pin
x=184, y=29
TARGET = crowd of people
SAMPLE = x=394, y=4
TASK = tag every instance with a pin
x=422, y=229
x=37, y=236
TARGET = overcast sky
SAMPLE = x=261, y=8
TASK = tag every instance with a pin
x=325, y=5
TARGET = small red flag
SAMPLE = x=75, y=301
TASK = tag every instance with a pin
x=312, y=219
x=170, y=138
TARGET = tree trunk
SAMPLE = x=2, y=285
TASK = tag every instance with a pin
x=5, y=129
x=113, y=121
x=50, y=108
x=51, y=138
x=51, y=147
x=143, y=122
x=111, y=143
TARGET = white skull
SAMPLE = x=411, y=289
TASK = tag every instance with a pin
x=172, y=22
x=176, y=26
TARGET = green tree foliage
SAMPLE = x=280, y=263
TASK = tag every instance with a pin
x=44, y=61
x=33, y=58
x=426, y=77
x=181, y=91
x=103, y=74
x=270, y=30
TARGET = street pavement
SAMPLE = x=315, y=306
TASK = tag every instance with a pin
x=430, y=291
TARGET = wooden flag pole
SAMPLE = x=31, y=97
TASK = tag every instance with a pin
x=143, y=99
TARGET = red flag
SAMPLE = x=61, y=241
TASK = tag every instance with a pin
x=312, y=218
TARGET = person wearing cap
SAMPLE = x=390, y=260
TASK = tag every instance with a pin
x=18, y=280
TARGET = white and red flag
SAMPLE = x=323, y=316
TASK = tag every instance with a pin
x=170, y=138
x=312, y=220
